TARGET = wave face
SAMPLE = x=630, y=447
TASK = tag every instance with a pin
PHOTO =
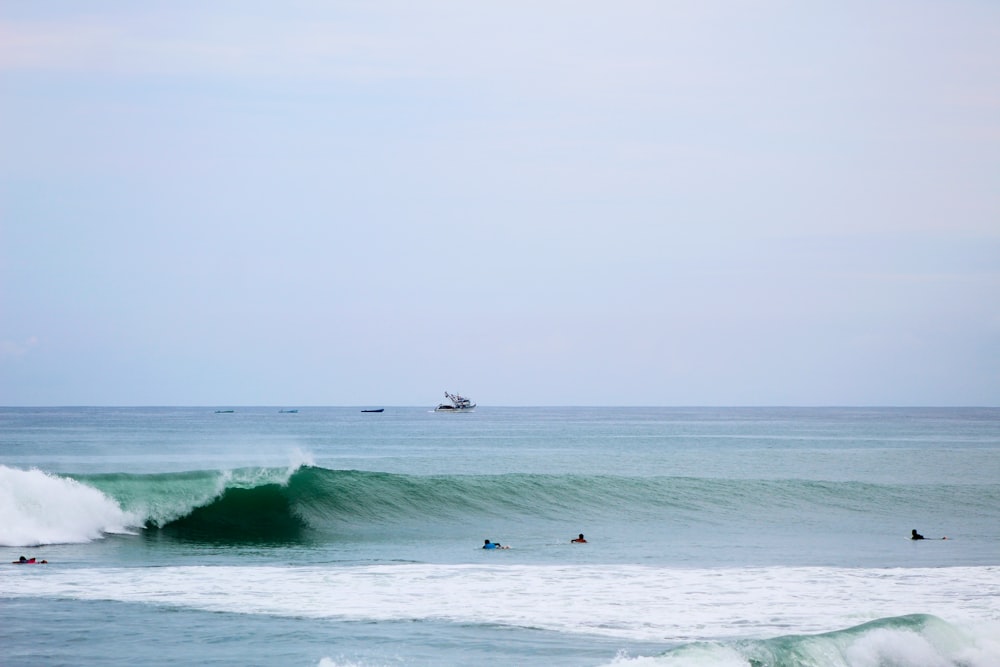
x=917, y=639
x=282, y=504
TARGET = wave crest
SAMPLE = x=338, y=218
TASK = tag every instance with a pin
x=288, y=503
x=904, y=641
x=42, y=508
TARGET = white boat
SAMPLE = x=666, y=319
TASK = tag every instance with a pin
x=458, y=404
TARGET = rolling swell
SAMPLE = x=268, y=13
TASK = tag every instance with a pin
x=276, y=504
x=916, y=639
x=250, y=504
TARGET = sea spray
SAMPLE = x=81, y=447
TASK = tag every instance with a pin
x=45, y=508
x=42, y=508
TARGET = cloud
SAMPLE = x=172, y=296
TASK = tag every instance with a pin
x=29, y=46
x=190, y=45
x=11, y=349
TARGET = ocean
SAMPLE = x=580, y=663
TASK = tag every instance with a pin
x=330, y=537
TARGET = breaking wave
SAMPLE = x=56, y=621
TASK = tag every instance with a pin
x=279, y=504
x=916, y=640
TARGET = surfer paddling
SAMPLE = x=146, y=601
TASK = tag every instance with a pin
x=493, y=545
x=914, y=535
x=579, y=540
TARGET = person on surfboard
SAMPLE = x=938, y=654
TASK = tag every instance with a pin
x=493, y=545
x=28, y=561
x=914, y=535
x=579, y=540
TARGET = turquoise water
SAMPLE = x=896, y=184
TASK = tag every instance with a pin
x=750, y=536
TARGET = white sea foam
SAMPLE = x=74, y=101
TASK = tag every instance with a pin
x=330, y=662
x=41, y=508
x=635, y=602
x=709, y=655
x=298, y=457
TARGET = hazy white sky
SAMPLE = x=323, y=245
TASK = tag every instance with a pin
x=532, y=203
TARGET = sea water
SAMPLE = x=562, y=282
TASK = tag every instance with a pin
x=326, y=537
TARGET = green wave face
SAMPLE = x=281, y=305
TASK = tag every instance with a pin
x=916, y=639
x=262, y=514
x=255, y=504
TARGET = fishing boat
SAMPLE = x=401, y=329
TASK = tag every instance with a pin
x=374, y=410
x=458, y=404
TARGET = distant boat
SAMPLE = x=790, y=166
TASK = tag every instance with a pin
x=224, y=412
x=458, y=404
x=375, y=410
x=289, y=411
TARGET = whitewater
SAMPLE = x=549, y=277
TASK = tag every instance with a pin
x=331, y=537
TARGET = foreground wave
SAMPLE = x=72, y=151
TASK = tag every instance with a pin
x=281, y=504
x=714, y=616
x=915, y=640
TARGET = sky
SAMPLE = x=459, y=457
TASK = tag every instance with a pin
x=671, y=202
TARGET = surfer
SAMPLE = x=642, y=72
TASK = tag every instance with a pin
x=914, y=535
x=579, y=540
x=493, y=545
x=28, y=561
